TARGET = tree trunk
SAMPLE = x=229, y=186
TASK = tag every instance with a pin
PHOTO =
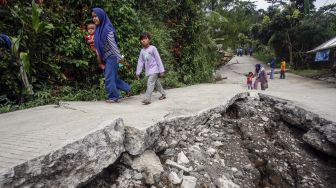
x=290, y=49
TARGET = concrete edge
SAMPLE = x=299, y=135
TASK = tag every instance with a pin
x=72, y=164
x=320, y=133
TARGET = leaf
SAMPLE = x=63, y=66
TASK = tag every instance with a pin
x=25, y=61
x=16, y=45
x=36, y=11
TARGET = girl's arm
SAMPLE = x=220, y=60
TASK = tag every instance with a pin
x=158, y=60
x=140, y=64
x=113, y=45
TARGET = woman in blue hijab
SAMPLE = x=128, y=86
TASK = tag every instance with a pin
x=106, y=44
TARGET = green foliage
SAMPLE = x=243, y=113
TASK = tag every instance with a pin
x=51, y=56
x=291, y=32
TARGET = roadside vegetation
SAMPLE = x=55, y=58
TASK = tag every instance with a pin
x=50, y=62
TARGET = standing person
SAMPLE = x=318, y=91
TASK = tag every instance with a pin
x=251, y=51
x=283, y=68
x=249, y=80
x=106, y=44
x=149, y=56
x=272, y=66
x=261, y=77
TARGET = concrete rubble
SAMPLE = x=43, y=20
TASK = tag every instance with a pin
x=248, y=142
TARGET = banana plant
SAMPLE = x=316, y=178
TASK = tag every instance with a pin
x=30, y=23
x=37, y=24
x=22, y=59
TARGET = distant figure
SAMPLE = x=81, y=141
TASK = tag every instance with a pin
x=246, y=51
x=241, y=51
x=261, y=77
x=91, y=27
x=272, y=66
x=251, y=51
x=249, y=80
x=283, y=68
x=150, y=58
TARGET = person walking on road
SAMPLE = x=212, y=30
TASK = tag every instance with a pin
x=106, y=45
x=272, y=66
x=150, y=58
x=261, y=77
x=283, y=68
x=249, y=80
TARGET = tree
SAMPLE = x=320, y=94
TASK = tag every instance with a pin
x=304, y=6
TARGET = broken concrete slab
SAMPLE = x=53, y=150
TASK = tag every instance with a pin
x=29, y=136
x=72, y=164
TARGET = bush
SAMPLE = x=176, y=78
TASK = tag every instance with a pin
x=60, y=66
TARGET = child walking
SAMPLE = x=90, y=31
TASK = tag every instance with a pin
x=150, y=58
x=283, y=68
x=249, y=80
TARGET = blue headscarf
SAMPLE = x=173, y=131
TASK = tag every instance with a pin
x=6, y=41
x=258, y=67
x=102, y=30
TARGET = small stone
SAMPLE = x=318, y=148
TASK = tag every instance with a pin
x=218, y=143
x=223, y=182
x=189, y=182
x=239, y=174
x=182, y=144
x=172, y=143
x=182, y=159
x=184, y=137
x=211, y=151
x=230, y=131
x=127, y=174
x=137, y=176
x=248, y=167
x=169, y=152
x=234, y=169
x=174, y=178
x=264, y=118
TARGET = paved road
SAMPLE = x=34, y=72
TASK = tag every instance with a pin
x=316, y=96
x=27, y=134
x=30, y=133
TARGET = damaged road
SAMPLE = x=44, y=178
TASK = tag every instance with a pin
x=255, y=142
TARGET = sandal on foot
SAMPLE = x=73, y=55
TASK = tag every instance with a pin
x=145, y=102
x=128, y=94
x=162, y=97
x=111, y=101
